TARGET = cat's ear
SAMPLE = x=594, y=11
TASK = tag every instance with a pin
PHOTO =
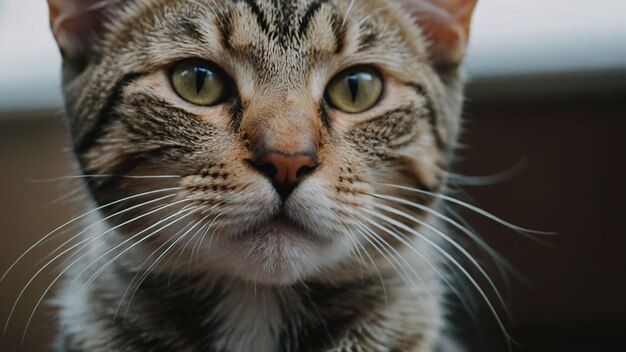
x=76, y=24
x=446, y=23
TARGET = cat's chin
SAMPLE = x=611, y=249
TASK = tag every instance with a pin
x=279, y=252
x=278, y=231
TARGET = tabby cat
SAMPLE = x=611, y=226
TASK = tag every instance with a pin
x=261, y=173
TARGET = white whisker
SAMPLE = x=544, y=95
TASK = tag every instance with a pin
x=84, y=243
x=471, y=234
x=198, y=245
x=210, y=241
x=74, y=177
x=357, y=249
x=136, y=206
x=182, y=250
x=78, y=218
x=455, y=263
x=466, y=180
x=472, y=208
x=384, y=244
x=380, y=275
x=185, y=211
x=503, y=266
x=77, y=260
x=450, y=286
x=449, y=240
x=156, y=261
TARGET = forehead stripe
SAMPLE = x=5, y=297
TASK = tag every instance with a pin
x=308, y=16
x=260, y=18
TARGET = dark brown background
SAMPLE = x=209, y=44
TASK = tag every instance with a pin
x=570, y=129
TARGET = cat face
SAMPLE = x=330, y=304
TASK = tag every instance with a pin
x=250, y=138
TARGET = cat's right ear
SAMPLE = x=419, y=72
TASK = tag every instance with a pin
x=446, y=23
x=76, y=25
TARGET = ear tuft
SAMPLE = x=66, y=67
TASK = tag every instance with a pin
x=76, y=24
x=446, y=23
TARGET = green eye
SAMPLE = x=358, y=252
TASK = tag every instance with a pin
x=199, y=82
x=355, y=90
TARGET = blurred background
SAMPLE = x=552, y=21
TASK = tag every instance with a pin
x=547, y=91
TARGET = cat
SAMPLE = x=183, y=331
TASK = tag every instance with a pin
x=261, y=174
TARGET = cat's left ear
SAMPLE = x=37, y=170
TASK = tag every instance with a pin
x=76, y=24
x=447, y=24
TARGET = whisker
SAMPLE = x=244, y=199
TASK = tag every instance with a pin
x=76, y=253
x=449, y=240
x=198, y=243
x=384, y=243
x=455, y=263
x=357, y=249
x=84, y=243
x=423, y=257
x=182, y=249
x=472, y=208
x=74, y=177
x=78, y=218
x=147, y=259
x=147, y=272
x=103, y=220
x=210, y=241
x=503, y=266
x=466, y=180
x=380, y=275
x=471, y=234
x=364, y=19
x=163, y=245
x=89, y=239
x=196, y=236
x=182, y=211
x=68, y=195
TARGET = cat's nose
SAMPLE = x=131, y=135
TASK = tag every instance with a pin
x=285, y=170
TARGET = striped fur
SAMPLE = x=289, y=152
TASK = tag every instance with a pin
x=200, y=273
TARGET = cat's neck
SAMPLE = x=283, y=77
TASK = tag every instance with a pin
x=242, y=316
x=226, y=314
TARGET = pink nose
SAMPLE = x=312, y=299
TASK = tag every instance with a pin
x=285, y=170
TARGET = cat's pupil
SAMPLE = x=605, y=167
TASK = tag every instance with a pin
x=201, y=75
x=353, y=84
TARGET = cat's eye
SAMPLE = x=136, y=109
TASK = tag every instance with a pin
x=200, y=82
x=355, y=90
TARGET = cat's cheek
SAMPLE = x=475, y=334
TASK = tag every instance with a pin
x=425, y=162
